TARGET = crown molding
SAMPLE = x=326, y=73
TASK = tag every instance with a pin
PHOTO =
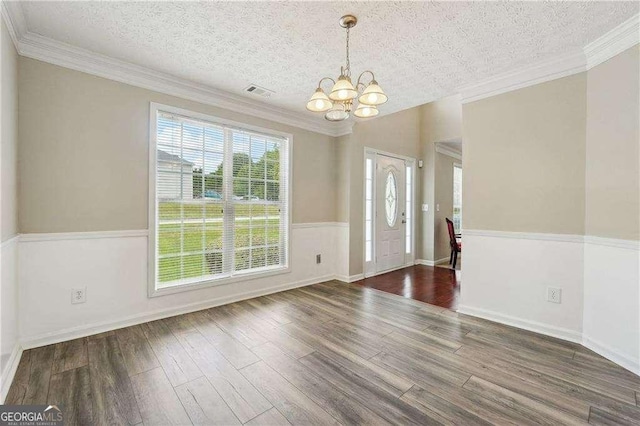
x=607, y=46
x=14, y=19
x=540, y=72
x=616, y=41
x=449, y=152
x=54, y=52
x=45, y=49
x=48, y=50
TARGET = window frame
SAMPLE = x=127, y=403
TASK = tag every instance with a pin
x=152, y=289
x=458, y=166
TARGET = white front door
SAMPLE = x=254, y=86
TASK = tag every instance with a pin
x=390, y=215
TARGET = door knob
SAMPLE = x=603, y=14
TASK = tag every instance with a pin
x=404, y=221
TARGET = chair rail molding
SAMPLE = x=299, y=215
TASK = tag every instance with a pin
x=59, y=236
x=612, y=242
x=567, y=238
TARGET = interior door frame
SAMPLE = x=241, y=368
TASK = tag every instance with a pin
x=369, y=268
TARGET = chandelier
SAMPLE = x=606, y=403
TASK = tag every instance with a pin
x=342, y=98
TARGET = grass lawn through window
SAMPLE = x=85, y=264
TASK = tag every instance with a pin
x=191, y=246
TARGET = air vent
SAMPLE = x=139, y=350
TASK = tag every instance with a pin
x=256, y=90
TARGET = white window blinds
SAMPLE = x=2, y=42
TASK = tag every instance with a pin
x=221, y=201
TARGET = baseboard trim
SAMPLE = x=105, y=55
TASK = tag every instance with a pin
x=431, y=262
x=537, y=327
x=350, y=278
x=10, y=371
x=90, y=329
x=376, y=273
x=611, y=354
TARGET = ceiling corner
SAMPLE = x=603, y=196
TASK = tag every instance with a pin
x=15, y=20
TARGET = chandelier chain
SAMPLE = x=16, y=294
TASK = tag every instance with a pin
x=348, y=69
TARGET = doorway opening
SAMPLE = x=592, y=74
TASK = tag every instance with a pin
x=389, y=210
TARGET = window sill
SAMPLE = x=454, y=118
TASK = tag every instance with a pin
x=189, y=285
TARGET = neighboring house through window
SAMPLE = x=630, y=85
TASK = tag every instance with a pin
x=172, y=170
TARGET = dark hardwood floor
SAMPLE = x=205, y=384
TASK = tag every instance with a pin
x=436, y=286
x=331, y=353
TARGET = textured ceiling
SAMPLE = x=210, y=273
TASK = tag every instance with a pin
x=419, y=51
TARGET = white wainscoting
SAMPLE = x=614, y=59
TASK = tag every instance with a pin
x=506, y=276
x=611, y=325
x=113, y=268
x=341, y=252
x=9, y=345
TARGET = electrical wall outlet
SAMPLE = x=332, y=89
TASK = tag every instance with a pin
x=318, y=258
x=554, y=295
x=78, y=295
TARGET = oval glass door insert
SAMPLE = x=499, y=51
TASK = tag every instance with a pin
x=391, y=199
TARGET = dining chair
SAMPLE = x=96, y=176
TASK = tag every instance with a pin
x=456, y=247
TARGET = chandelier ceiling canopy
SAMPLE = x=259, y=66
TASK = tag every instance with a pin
x=338, y=104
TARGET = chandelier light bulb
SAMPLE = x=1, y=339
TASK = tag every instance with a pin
x=373, y=94
x=343, y=90
x=319, y=101
x=366, y=111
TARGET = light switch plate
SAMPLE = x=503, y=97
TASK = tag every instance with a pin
x=425, y=207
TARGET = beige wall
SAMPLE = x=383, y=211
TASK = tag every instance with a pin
x=440, y=121
x=443, y=199
x=397, y=133
x=9, y=132
x=613, y=148
x=524, y=155
x=84, y=153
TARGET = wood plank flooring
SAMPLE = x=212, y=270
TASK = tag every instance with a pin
x=428, y=284
x=327, y=354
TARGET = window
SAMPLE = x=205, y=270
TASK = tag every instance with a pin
x=457, y=198
x=368, y=219
x=409, y=213
x=220, y=200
